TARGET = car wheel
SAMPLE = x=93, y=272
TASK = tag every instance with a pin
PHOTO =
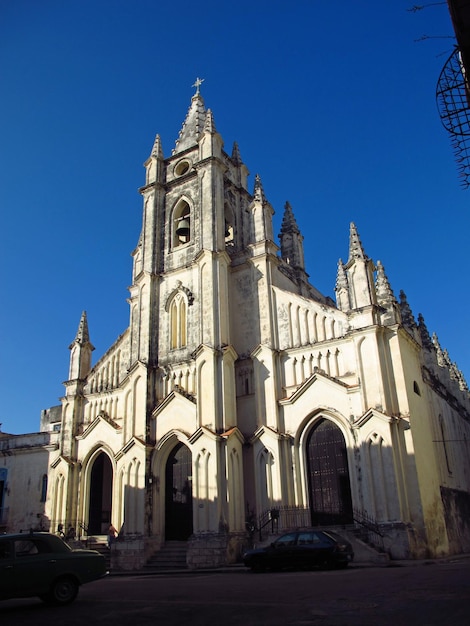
x=63, y=591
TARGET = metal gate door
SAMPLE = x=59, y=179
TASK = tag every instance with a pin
x=328, y=475
x=178, y=494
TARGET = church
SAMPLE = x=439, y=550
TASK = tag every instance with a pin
x=241, y=397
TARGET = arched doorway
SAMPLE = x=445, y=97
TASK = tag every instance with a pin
x=328, y=475
x=178, y=494
x=101, y=490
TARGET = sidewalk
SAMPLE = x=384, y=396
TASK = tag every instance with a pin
x=240, y=568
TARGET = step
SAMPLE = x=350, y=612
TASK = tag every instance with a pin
x=172, y=555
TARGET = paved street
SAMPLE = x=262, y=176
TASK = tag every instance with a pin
x=424, y=595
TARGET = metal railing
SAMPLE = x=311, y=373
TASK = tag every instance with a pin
x=372, y=532
x=283, y=518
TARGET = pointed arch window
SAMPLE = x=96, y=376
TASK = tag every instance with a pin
x=181, y=224
x=44, y=488
x=178, y=322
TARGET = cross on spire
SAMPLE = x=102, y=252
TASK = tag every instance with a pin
x=197, y=83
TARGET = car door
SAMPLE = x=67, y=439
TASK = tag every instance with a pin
x=7, y=562
x=281, y=553
x=34, y=567
x=308, y=549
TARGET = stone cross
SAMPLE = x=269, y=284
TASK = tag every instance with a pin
x=198, y=82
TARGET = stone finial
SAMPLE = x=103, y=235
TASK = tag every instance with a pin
x=83, y=336
x=447, y=360
x=209, y=125
x=356, y=251
x=157, y=150
x=289, y=225
x=385, y=295
x=258, y=192
x=341, y=277
x=236, y=157
x=461, y=379
x=439, y=352
x=426, y=340
x=406, y=313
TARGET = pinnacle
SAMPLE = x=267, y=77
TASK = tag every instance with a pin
x=157, y=150
x=341, y=277
x=258, y=192
x=356, y=251
x=209, y=125
x=289, y=225
x=382, y=285
x=236, y=158
x=83, y=336
x=406, y=313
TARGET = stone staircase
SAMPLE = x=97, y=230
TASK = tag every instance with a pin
x=100, y=544
x=172, y=555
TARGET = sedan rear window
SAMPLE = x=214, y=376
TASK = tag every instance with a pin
x=29, y=547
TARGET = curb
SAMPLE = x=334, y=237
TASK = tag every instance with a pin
x=239, y=568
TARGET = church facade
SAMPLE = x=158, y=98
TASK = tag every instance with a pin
x=240, y=394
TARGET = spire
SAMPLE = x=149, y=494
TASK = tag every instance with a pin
x=258, y=192
x=292, y=248
x=241, y=171
x=154, y=170
x=157, y=150
x=262, y=215
x=83, y=336
x=289, y=225
x=383, y=289
x=194, y=123
x=406, y=313
x=236, y=158
x=80, y=351
x=360, y=270
x=356, y=251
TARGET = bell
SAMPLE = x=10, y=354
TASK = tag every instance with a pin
x=182, y=229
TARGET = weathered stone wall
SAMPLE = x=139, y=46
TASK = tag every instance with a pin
x=215, y=549
x=457, y=514
x=132, y=552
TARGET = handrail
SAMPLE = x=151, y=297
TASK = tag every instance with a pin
x=375, y=535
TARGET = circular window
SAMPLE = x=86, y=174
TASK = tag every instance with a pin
x=182, y=168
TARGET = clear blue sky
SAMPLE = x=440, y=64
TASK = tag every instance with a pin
x=332, y=103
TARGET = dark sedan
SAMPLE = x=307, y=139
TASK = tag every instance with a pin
x=302, y=549
x=41, y=564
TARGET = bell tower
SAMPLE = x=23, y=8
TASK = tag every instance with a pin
x=196, y=220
